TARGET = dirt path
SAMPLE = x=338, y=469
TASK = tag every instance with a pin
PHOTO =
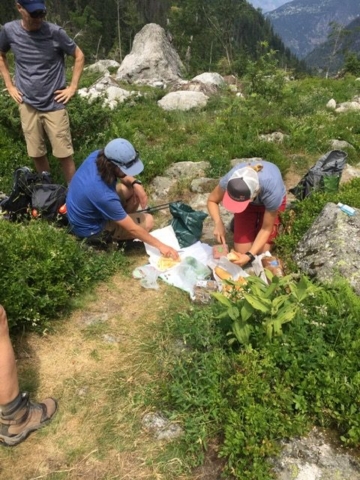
x=94, y=364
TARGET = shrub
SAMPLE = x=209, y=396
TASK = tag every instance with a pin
x=42, y=267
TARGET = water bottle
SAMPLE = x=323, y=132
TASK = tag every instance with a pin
x=346, y=209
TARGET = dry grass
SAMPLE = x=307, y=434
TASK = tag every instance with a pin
x=97, y=432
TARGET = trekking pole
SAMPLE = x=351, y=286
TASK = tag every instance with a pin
x=155, y=208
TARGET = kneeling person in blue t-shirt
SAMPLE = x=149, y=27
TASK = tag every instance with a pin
x=104, y=196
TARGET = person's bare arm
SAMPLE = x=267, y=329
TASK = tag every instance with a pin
x=4, y=70
x=213, y=202
x=265, y=231
x=136, y=231
x=63, y=96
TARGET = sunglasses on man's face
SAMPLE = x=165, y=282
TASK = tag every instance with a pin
x=129, y=164
x=38, y=14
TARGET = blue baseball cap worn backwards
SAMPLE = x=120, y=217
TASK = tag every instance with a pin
x=122, y=154
x=32, y=5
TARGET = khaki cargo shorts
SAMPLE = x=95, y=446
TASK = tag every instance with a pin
x=119, y=233
x=38, y=125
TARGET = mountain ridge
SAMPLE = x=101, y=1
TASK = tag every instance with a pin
x=303, y=25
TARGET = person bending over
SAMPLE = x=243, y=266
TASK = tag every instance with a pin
x=104, y=197
x=255, y=193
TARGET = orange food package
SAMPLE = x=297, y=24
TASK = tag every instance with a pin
x=220, y=251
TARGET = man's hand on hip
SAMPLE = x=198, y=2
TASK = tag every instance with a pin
x=63, y=96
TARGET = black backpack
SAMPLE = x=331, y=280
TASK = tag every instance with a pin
x=323, y=176
x=33, y=193
x=47, y=201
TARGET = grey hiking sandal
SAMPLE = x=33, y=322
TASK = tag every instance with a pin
x=28, y=417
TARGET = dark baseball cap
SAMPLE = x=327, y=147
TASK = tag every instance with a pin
x=32, y=5
x=241, y=189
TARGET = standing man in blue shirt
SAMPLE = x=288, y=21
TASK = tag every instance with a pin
x=40, y=89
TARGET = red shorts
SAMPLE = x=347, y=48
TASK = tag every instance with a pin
x=248, y=223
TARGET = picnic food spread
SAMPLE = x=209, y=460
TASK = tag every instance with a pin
x=164, y=263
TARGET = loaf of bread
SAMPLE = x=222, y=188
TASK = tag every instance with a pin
x=222, y=273
x=232, y=256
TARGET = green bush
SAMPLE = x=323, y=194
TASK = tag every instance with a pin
x=42, y=268
x=249, y=398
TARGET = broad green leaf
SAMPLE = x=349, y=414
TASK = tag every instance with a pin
x=286, y=315
x=242, y=332
x=269, y=330
x=246, y=311
x=263, y=304
x=233, y=313
x=222, y=299
x=278, y=301
x=272, y=287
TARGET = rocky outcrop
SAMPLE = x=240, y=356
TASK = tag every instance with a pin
x=183, y=100
x=152, y=59
x=331, y=247
x=107, y=89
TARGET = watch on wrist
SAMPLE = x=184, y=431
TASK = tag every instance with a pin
x=136, y=182
x=251, y=256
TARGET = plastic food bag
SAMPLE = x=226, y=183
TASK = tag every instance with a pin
x=148, y=276
x=186, y=274
x=187, y=223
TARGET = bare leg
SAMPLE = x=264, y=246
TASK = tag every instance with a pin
x=128, y=200
x=68, y=168
x=41, y=164
x=9, y=385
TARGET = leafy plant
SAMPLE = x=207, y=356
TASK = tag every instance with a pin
x=267, y=305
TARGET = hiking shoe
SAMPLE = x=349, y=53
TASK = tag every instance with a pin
x=29, y=417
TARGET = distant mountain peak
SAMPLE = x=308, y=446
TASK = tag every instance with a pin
x=304, y=24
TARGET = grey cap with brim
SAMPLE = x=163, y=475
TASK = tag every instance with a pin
x=123, y=154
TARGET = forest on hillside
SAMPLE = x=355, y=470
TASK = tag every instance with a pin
x=209, y=35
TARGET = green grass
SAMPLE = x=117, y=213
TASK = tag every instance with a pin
x=243, y=398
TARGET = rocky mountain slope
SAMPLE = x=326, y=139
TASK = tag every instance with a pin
x=328, y=58
x=305, y=24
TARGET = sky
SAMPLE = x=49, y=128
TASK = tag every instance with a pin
x=267, y=5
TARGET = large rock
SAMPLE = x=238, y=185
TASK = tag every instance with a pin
x=152, y=59
x=210, y=78
x=183, y=100
x=331, y=247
